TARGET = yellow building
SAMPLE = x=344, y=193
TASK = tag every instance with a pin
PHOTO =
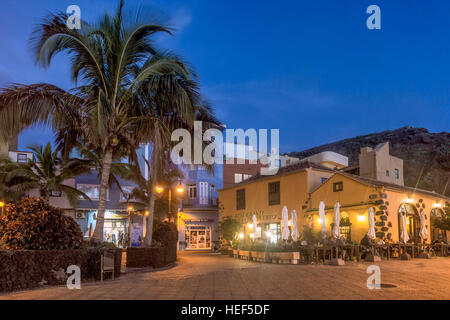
x=357, y=194
x=265, y=196
x=303, y=185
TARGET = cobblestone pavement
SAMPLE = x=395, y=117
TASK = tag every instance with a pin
x=214, y=276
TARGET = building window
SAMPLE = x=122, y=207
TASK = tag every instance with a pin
x=323, y=180
x=240, y=199
x=92, y=191
x=387, y=173
x=246, y=176
x=55, y=193
x=193, y=191
x=126, y=194
x=237, y=177
x=396, y=174
x=22, y=158
x=338, y=186
x=274, y=193
x=346, y=232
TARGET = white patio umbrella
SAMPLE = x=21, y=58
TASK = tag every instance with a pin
x=295, y=235
x=337, y=220
x=371, y=234
x=255, y=227
x=285, y=220
x=322, y=218
x=404, y=232
x=423, y=226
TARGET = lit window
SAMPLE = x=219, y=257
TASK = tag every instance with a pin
x=324, y=179
x=396, y=174
x=237, y=177
x=338, y=186
x=246, y=176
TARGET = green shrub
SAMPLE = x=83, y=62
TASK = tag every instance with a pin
x=32, y=224
x=228, y=228
x=91, y=243
x=165, y=233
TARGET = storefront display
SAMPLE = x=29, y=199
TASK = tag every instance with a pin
x=198, y=237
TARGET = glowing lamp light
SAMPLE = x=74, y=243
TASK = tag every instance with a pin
x=241, y=235
x=180, y=189
x=361, y=218
x=408, y=200
x=159, y=189
x=435, y=205
x=289, y=223
x=2, y=204
x=130, y=208
x=147, y=213
x=268, y=234
x=320, y=220
x=250, y=225
x=252, y=235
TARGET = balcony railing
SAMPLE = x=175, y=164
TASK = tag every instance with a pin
x=203, y=203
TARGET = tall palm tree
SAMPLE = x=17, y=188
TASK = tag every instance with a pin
x=49, y=173
x=9, y=188
x=122, y=85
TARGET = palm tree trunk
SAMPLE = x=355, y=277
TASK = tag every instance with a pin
x=104, y=183
x=151, y=209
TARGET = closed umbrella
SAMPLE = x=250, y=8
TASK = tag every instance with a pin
x=337, y=220
x=371, y=233
x=423, y=226
x=295, y=235
x=322, y=218
x=255, y=226
x=285, y=219
x=404, y=232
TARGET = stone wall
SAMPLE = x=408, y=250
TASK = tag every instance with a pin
x=151, y=257
x=29, y=269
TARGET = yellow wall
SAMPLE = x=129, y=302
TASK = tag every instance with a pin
x=355, y=201
x=294, y=189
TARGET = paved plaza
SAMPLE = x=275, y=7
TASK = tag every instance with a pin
x=214, y=276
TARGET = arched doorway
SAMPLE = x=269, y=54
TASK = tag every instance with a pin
x=437, y=234
x=412, y=222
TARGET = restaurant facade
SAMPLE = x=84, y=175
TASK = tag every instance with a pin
x=303, y=185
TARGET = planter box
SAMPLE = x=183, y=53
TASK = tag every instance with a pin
x=244, y=254
x=235, y=253
x=285, y=257
x=260, y=256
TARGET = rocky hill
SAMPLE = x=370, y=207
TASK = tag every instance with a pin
x=426, y=156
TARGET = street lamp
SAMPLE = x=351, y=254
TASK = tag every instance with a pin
x=179, y=189
x=2, y=204
x=129, y=209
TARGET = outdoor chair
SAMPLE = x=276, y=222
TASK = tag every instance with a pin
x=107, y=264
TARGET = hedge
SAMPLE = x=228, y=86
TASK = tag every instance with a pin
x=27, y=269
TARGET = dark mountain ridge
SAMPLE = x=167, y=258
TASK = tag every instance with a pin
x=426, y=156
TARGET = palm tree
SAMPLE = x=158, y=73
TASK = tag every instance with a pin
x=9, y=189
x=122, y=86
x=49, y=173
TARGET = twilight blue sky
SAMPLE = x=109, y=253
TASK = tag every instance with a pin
x=310, y=68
